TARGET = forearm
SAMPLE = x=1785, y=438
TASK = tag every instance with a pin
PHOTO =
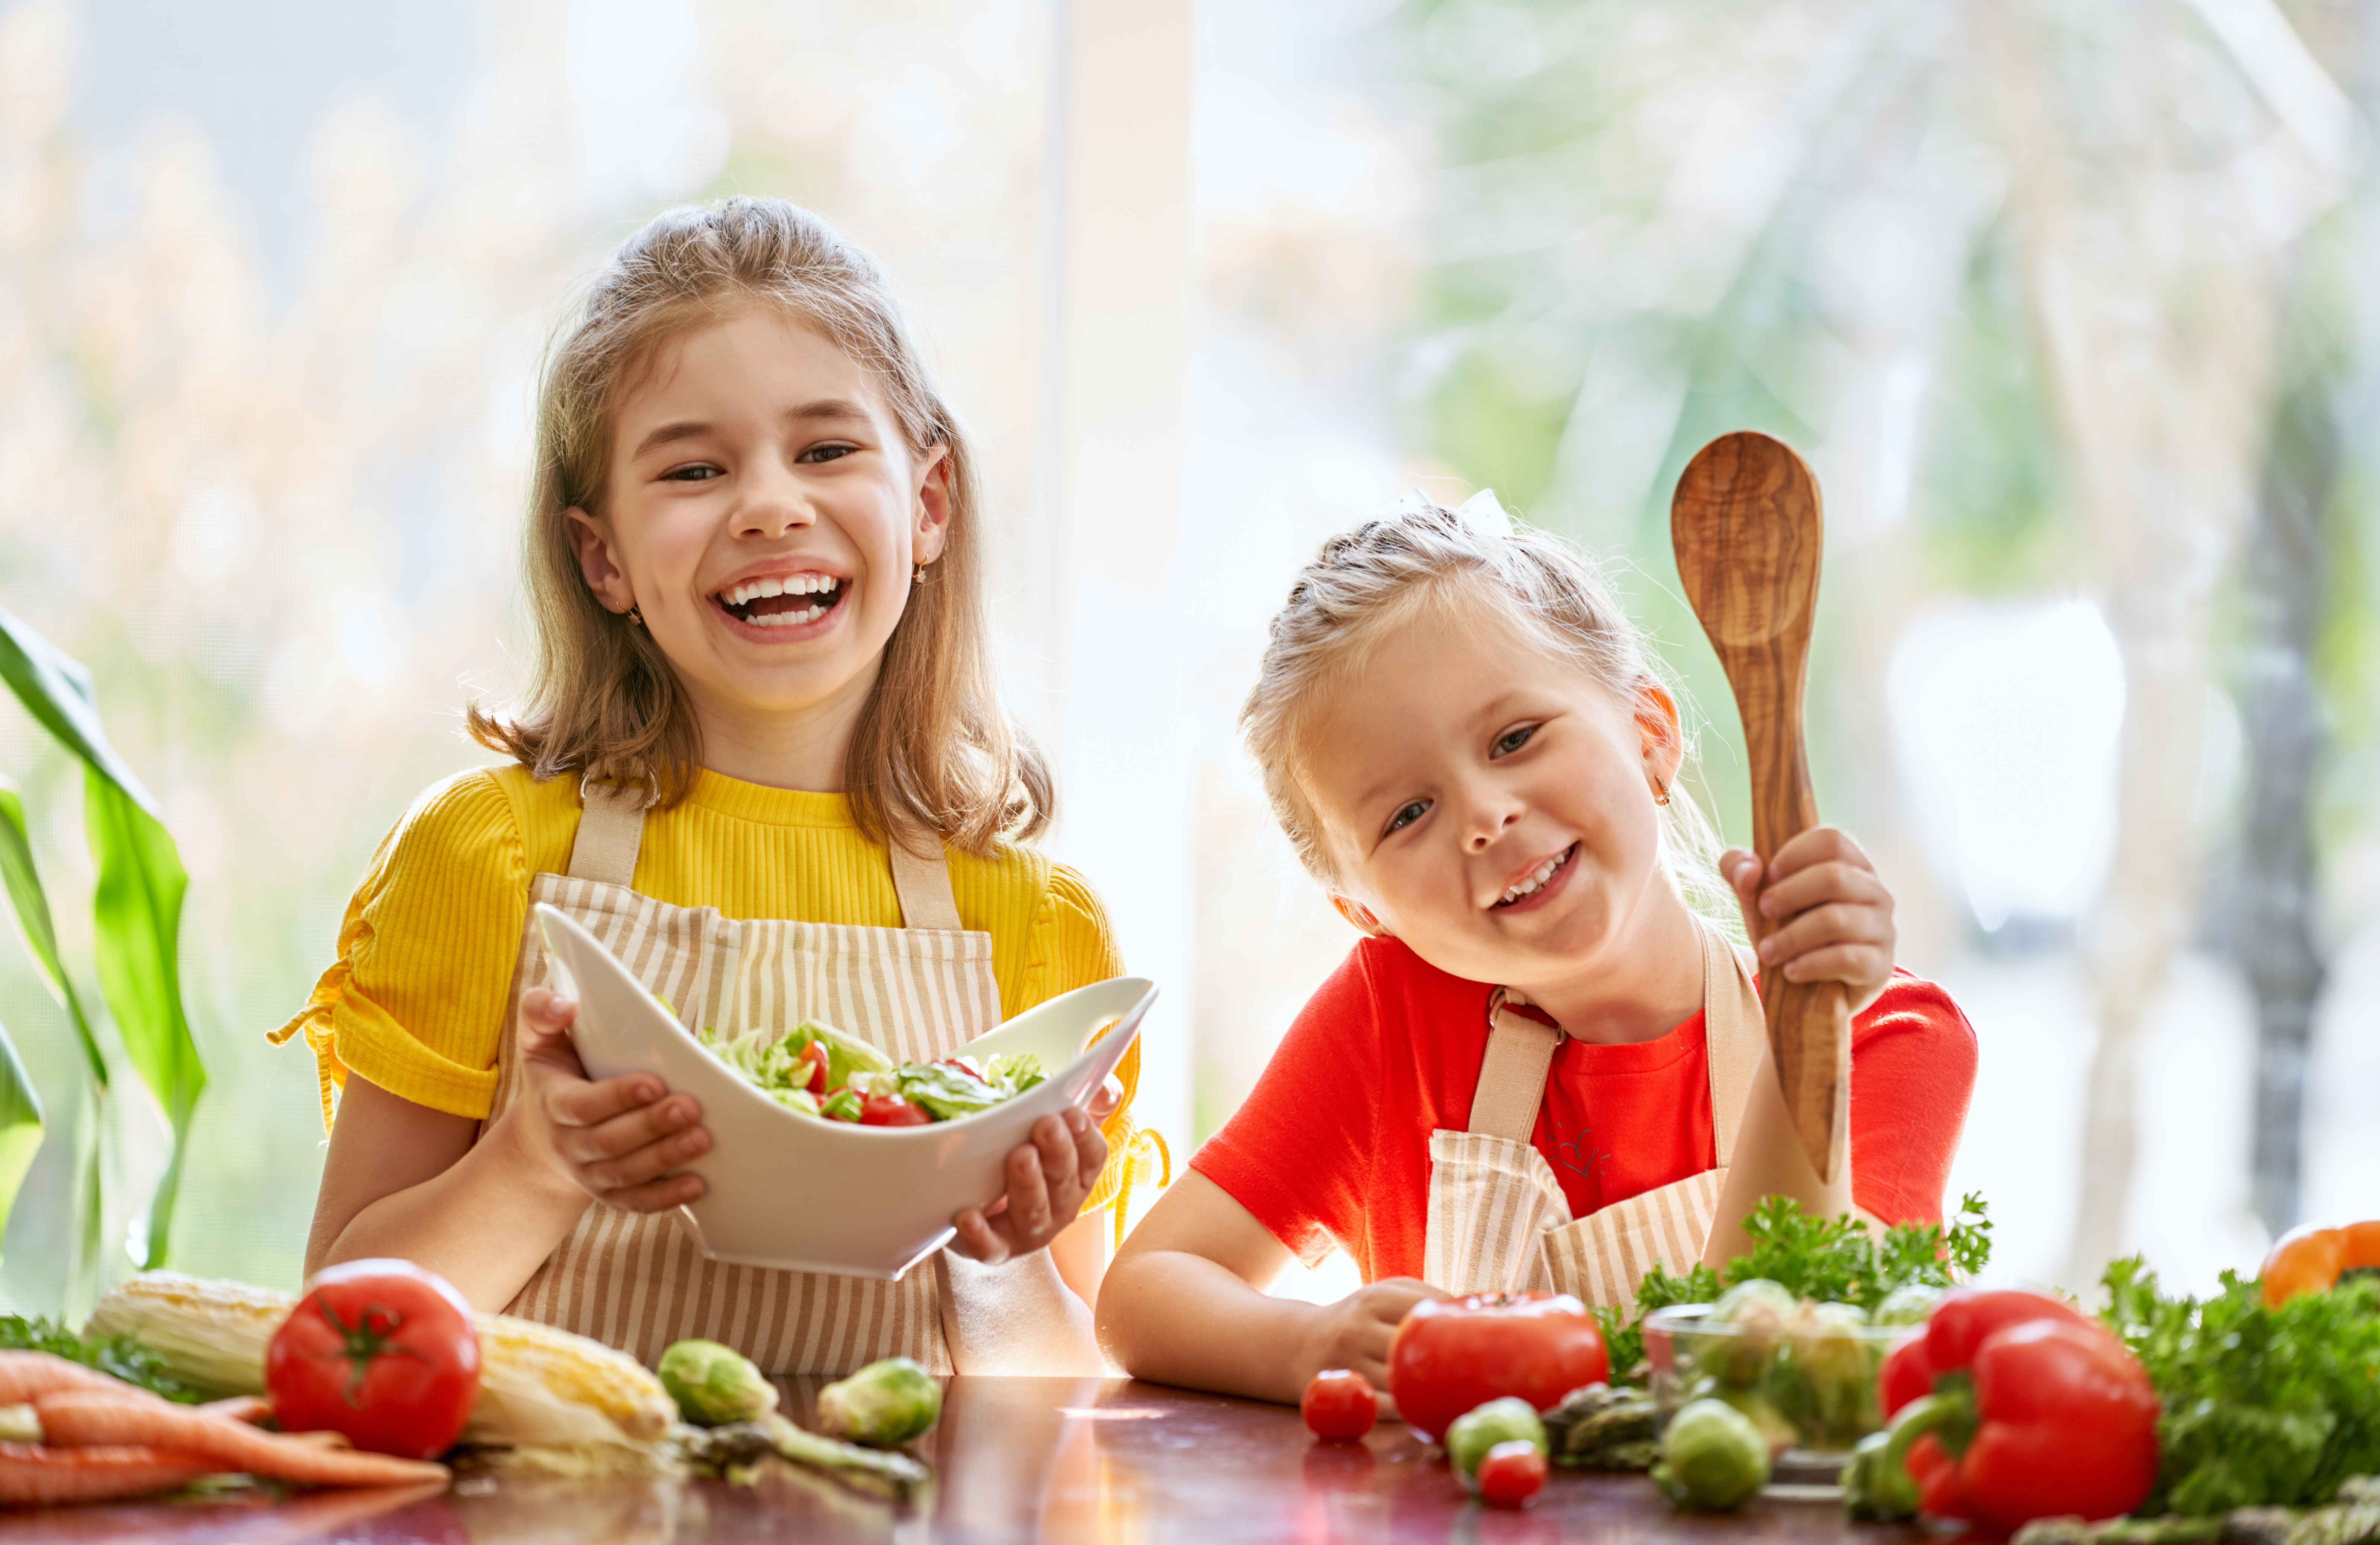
x=486, y=1222
x=1180, y=1318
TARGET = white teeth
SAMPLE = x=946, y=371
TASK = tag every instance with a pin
x=1545, y=871
x=796, y=584
x=790, y=619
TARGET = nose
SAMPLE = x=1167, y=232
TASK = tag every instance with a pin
x=1489, y=814
x=775, y=500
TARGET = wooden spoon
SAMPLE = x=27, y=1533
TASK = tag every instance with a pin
x=1746, y=527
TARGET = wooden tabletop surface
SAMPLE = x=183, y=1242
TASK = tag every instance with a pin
x=1015, y=1459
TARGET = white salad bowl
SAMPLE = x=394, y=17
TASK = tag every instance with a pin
x=787, y=1190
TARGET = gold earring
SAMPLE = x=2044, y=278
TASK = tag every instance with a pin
x=1660, y=792
x=918, y=575
x=636, y=618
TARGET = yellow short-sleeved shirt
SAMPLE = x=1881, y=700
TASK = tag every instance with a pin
x=416, y=1001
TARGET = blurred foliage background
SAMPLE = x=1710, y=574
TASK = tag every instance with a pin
x=2071, y=308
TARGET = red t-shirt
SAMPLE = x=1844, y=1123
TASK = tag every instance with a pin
x=1333, y=1143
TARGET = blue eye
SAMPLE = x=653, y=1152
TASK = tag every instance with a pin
x=1408, y=815
x=1513, y=740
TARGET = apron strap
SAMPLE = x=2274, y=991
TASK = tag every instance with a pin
x=1512, y=1074
x=611, y=829
x=924, y=886
x=1734, y=1033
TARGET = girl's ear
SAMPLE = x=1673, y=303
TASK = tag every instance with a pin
x=1357, y=913
x=597, y=563
x=933, y=512
x=1659, y=733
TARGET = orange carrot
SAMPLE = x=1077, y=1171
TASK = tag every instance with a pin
x=32, y=1476
x=80, y=1418
x=238, y=1407
x=29, y=1375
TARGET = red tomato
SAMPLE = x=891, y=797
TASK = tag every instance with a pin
x=1512, y=1475
x=890, y=1110
x=964, y=1066
x=381, y=1351
x=814, y=1054
x=1339, y=1405
x=1453, y=1353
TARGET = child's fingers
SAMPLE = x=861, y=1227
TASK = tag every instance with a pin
x=614, y=1158
x=581, y=1103
x=1856, y=965
x=1028, y=1192
x=1820, y=883
x=1090, y=1148
x=545, y=1020
x=1835, y=923
x=1820, y=844
x=975, y=1238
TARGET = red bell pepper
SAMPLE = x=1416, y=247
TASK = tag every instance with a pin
x=1453, y=1353
x=1957, y=1327
x=2036, y=1412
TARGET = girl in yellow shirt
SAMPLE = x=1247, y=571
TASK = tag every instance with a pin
x=763, y=692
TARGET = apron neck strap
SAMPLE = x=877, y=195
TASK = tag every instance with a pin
x=611, y=829
x=924, y=886
x=1521, y=1051
x=1512, y=1074
x=1734, y=1033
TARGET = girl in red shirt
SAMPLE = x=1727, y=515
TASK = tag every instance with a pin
x=1531, y=1071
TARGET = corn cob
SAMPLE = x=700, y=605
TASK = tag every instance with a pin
x=539, y=1387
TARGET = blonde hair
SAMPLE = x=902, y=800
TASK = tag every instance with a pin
x=1374, y=579
x=935, y=755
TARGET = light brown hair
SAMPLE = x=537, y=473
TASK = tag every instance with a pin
x=935, y=756
x=1453, y=567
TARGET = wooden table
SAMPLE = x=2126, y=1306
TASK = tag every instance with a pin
x=1017, y=1459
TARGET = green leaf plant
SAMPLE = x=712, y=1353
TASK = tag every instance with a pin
x=137, y=918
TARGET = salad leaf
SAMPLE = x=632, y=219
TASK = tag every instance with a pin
x=1829, y=1260
x=120, y=1355
x=1018, y=1071
x=2263, y=1406
x=948, y=1092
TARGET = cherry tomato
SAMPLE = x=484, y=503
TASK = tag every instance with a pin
x=381, y=1352
x=890, y=1110
x=1511, y=1473
x=814, y=1054
x=1452, y=1355
x=964, y=1066
x=1339, y=1405
x=2306, y=1260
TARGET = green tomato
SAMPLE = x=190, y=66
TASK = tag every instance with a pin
x=715, y=1385
x=1713, y=1459
x=1909, y=1304
x=1506, y=1421
x=883, y=1405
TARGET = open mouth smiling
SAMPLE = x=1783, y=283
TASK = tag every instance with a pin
x=1537, y=879
x=788, y=602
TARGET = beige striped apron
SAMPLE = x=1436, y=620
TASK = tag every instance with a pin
x=1498, y=1220
x=639, y=1281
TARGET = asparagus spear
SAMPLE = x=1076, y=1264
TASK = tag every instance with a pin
x=1598, y=1426
x=2352, y=1519
x=735, y=1450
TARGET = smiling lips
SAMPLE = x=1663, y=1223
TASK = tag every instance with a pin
x=1537, y=877
x=788, y=601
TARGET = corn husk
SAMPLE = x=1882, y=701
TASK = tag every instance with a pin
x=540, y=1388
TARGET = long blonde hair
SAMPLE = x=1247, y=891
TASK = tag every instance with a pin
x=935, y=756
x=1426, y=558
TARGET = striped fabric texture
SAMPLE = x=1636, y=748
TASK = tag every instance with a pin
x=1498, y=1222
x=638, y=1282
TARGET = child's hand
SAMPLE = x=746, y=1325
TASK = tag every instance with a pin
x=1048, y=1180
x=614, y=1139
x=1355, y=1331
x=1823, y=914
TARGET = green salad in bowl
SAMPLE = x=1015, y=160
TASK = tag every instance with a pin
x=823, y=1072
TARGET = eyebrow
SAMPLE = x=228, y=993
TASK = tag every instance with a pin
x=824, y=410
